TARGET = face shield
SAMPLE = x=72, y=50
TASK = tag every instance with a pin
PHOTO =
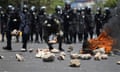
x=33, y=8
x=75, y=10
x=12, y=10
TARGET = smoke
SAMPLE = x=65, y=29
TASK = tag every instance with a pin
x=113, y=26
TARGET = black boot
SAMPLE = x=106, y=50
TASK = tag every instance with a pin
x=7, y=48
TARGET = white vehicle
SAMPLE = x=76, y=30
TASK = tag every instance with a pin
x=82, y=3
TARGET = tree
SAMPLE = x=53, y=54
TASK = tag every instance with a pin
x=50, y=4
x=111, y=3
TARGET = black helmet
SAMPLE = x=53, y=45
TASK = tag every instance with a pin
x=42, y=10
x=88, y=10
x=12, y=10
x=74, y=10
x=9, y=8
x=58, y=9
x=33, y=9
x=67, y=5
x=107, y=10
x=1, y=10
x=25, y=8
x=0, y=7
x=99, y=10
x=79, y=10
x=83, y=9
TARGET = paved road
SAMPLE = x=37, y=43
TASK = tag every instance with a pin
x=32, y=64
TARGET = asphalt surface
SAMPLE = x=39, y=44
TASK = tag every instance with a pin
x=32, y=64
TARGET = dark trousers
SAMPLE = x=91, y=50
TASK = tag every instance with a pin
x=60, y=38
x=98, y=31
x=36, y=36
x=25, y=39
x=66, y=37
x=85, y=35
x=46, y=38
x=41, y=35
x=91, y=34
x=31, y=36
x=73, y=37
x=8, y=36
x=80, y=36
x=3, y=35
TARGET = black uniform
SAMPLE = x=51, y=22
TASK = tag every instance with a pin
x=33, y=26
x=83, y=27
x=13, y=22
x=66, y=18
x=98, y=21
x=25, y=27
x=41, y=17
x=52, y=27
x=73, y=25
x=3, y=22
x=106, y=15
x=89, y=22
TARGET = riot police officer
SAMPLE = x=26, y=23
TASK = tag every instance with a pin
x=41, y=17
x=25, y=26
x=83, y=27
x=66, y=18
x=2, y=22
x=89, y=22
x=106, y=15
x=73, y=25
x=58, y=10
x=34, y=24
x=13, y=22
x=98, y=18
x=52, y=26
x=58, y=14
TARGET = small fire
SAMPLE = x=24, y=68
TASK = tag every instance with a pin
x=102, y=41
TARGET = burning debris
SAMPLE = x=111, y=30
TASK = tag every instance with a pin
x=103, y=42
x=113, y=27
x=109, y=39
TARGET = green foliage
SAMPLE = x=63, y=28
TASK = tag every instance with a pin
x=111, y=3
x=53, y=4
x=50, y=4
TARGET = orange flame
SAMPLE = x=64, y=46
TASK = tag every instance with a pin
x=103, y=41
